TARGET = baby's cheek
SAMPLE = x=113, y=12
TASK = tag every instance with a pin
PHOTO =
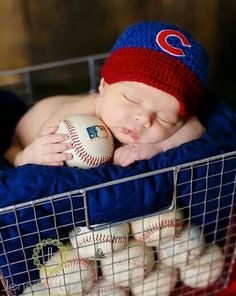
x=154, y=135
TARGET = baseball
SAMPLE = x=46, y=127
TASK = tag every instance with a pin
x=36, y=290
x=106, y=288
x=183, y=249
x=153, y=229
x=160, y=281
x=91, y=140
x=205, y=270
x=96, y=244
x=65, y=274
x=128, y=266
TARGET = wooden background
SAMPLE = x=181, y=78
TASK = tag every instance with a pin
x=38, y=31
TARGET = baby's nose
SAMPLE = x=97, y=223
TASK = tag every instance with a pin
x=146, y=119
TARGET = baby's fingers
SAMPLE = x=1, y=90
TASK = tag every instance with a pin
x=49, y=130
x=123, y=158
x=57, y=147
x=124, y=161
x=53, y=138
x=59, y=163
x=57, y=157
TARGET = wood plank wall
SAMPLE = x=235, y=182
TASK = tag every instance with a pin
x=37, y=31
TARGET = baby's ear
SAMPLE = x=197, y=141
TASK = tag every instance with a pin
x=101, y=85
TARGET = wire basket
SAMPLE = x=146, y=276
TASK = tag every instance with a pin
x=165, y=253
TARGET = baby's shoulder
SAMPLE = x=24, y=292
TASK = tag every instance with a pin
x=63, y=106
x=60, y=99
x=53, y=103
x=68, y=99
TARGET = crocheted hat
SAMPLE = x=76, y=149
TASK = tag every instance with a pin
x=163, y=56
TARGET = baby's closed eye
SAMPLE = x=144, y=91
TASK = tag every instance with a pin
x=169, y=120
x=131, y=100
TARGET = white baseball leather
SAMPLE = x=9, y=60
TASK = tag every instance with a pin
x=91, y=140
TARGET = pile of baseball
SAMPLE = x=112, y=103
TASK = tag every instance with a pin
x=145, y=257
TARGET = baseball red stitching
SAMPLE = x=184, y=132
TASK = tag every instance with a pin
x=134, y=263
x=155, y=227
x=73, y=262
x=90, y=239
x=79, y=149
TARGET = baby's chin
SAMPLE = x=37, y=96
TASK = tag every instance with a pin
x=124, y=139
x=120, y=137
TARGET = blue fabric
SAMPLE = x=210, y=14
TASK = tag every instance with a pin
x=22, y=228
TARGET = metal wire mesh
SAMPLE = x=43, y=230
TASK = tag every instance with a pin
x=173, y=252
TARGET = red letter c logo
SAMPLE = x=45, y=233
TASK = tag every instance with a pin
x=162, y=41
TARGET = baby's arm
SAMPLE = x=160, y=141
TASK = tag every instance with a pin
x=129, y=153
x=47, y=149
x=35, y=141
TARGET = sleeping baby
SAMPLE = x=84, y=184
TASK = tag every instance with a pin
x=150, y=88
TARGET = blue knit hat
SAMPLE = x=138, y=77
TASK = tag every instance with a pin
x=163, y=56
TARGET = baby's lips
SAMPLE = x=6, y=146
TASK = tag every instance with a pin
x=132, y=133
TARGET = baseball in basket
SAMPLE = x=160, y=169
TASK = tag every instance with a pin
x=66, y=274
x=205, y=270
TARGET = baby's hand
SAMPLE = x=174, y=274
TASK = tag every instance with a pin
x=129, y=153
x=48, y=148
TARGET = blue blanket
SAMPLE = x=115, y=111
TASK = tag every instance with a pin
x=22, y=228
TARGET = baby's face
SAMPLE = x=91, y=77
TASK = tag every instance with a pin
x=136, y=112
